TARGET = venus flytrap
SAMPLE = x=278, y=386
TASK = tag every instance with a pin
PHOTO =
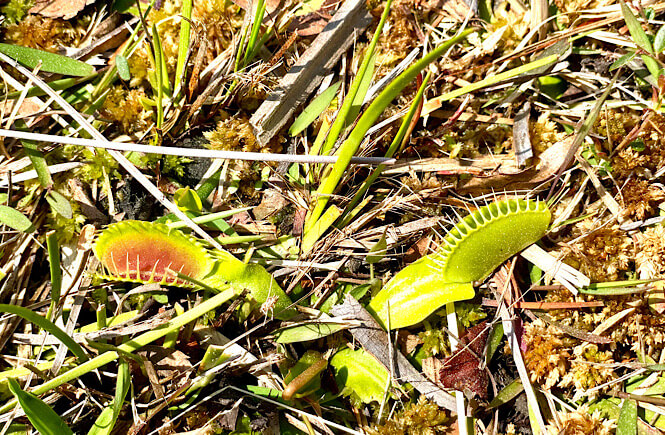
x=470, y=252
x=149, y=252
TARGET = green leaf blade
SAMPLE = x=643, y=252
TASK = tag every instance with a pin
x=635, y=28
x=122, y=66
x=42, y=416
x=659, y=42
x=15, y=219
x=307, y=332
x=360, y=375
x=623, y=60
x=60, y=204
x=314, y=109
x=50, y=62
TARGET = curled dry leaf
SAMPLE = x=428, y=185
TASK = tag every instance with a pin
x=509, y=177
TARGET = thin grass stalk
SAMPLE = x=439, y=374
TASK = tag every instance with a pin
x=47, y=326
x=351, y=144
x=189, y=152
x=58, y=85
x=131, y=345
x=340, y=120
x=254, y=34
x=159, y=58
x=237, y=66
x=489, y=81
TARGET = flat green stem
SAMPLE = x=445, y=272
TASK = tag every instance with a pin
x=321, y=226
x=394, y=146
x=211, y=217
x=340, y=121
x=351, y=144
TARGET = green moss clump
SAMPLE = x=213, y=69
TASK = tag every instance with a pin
x=435, y=341
x=16, y=10
x=469, y=314
x=421, y=418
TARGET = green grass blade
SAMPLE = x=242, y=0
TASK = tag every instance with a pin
x=314, y=109
x=394, y=146
x=343, y=113
x=183, y=44
x=635, y=28
x=57, y=85
x=160, y=71
x=42, y=416
x=47, y=326
x=254, y=34
x=132, y=345
x=106, y=420
x=351, y=144
x=56, y=274
x=50, y=62
x=359, y=98
x=490, y=81
x=208, y=218
x=322, y=225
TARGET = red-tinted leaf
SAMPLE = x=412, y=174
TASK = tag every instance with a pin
x=461, y=370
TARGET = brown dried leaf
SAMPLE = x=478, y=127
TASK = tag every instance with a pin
x=64, y=9
x=457, y=10
x=418, y=249
x=271, y=203
x=28, y=107
x=168, y=363
x=509, y=177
